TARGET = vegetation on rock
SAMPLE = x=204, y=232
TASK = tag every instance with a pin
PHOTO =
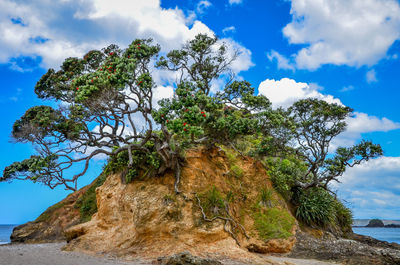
x=107, y=109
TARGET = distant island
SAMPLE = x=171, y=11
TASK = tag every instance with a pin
x=373, y=223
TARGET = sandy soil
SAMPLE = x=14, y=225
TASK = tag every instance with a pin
x=51, y=254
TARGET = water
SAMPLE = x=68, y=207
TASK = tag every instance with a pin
x=381, y=233
x=5, y=233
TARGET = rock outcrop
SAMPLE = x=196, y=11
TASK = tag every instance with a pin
x=146, y=218
x=357, y=250
x=51, y=224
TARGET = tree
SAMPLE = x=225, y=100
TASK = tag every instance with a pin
x=200, y=61
x=315, y=123
x=106, y=108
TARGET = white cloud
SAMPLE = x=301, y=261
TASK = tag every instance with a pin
x=347, y=88
x=233, y=2
x=361, y=123
x=54, y=30
x=202, y=6
x=373, y=188
x=371, y=76
x=228, y=30
x=283, y=62
x=342, y=32
x=284, y=92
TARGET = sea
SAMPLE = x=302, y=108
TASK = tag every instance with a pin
x=5, y=233
x=386, y=234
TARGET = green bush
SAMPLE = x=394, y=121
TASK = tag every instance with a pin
x=343, y=216
x=274, y=223
x=87, y=203
x=316, y=207
x=145, y=164
x=284, y=173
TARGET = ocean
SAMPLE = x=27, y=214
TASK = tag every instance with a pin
x=381, y=233
x=5, y=233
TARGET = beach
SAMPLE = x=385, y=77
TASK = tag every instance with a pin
x=51, y=254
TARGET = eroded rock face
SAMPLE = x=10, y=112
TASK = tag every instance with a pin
x=146, y=218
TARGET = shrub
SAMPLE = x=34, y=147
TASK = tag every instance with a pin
x=284, y=173
x=145, y=164
x=274, y=223
x=343, y=216
x=316, y=207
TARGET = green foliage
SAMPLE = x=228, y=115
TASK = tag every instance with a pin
x=343, y=216
x=274, y=223
x=144, y=164
x=87, y=203
x=236, y=171
x=284, y=173
x=36, y=165
x=212, y=201
x=266, y=197
x=316, y=207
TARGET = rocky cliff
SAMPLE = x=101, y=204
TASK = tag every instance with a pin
x=227, y=207
x=227, y=210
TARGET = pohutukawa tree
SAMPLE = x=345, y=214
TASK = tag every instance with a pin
x=314, y=124
x=106, y=108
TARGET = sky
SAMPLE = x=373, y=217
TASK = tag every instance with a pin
x=342, y=51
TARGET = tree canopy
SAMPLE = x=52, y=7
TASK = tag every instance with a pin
x=106, y=107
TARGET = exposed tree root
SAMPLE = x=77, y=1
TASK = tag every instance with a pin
x=229, y=221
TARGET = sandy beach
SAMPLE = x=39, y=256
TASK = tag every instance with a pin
x=51, y=254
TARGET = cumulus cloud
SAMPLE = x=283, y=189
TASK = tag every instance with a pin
x=342, y=32
x=55, y=30
x=284, y=92
x=373, y=185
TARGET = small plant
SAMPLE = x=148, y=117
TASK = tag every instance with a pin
x=274, y=223
x=236, y=171
x=212, y=201
x=266, y=197
x=230, y=196
x=168, y=199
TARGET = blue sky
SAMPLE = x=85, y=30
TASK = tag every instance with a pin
x=337, y=50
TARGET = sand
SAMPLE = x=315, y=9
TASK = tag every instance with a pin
x=51, y=254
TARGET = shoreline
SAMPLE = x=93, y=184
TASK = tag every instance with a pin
x=51, y=253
